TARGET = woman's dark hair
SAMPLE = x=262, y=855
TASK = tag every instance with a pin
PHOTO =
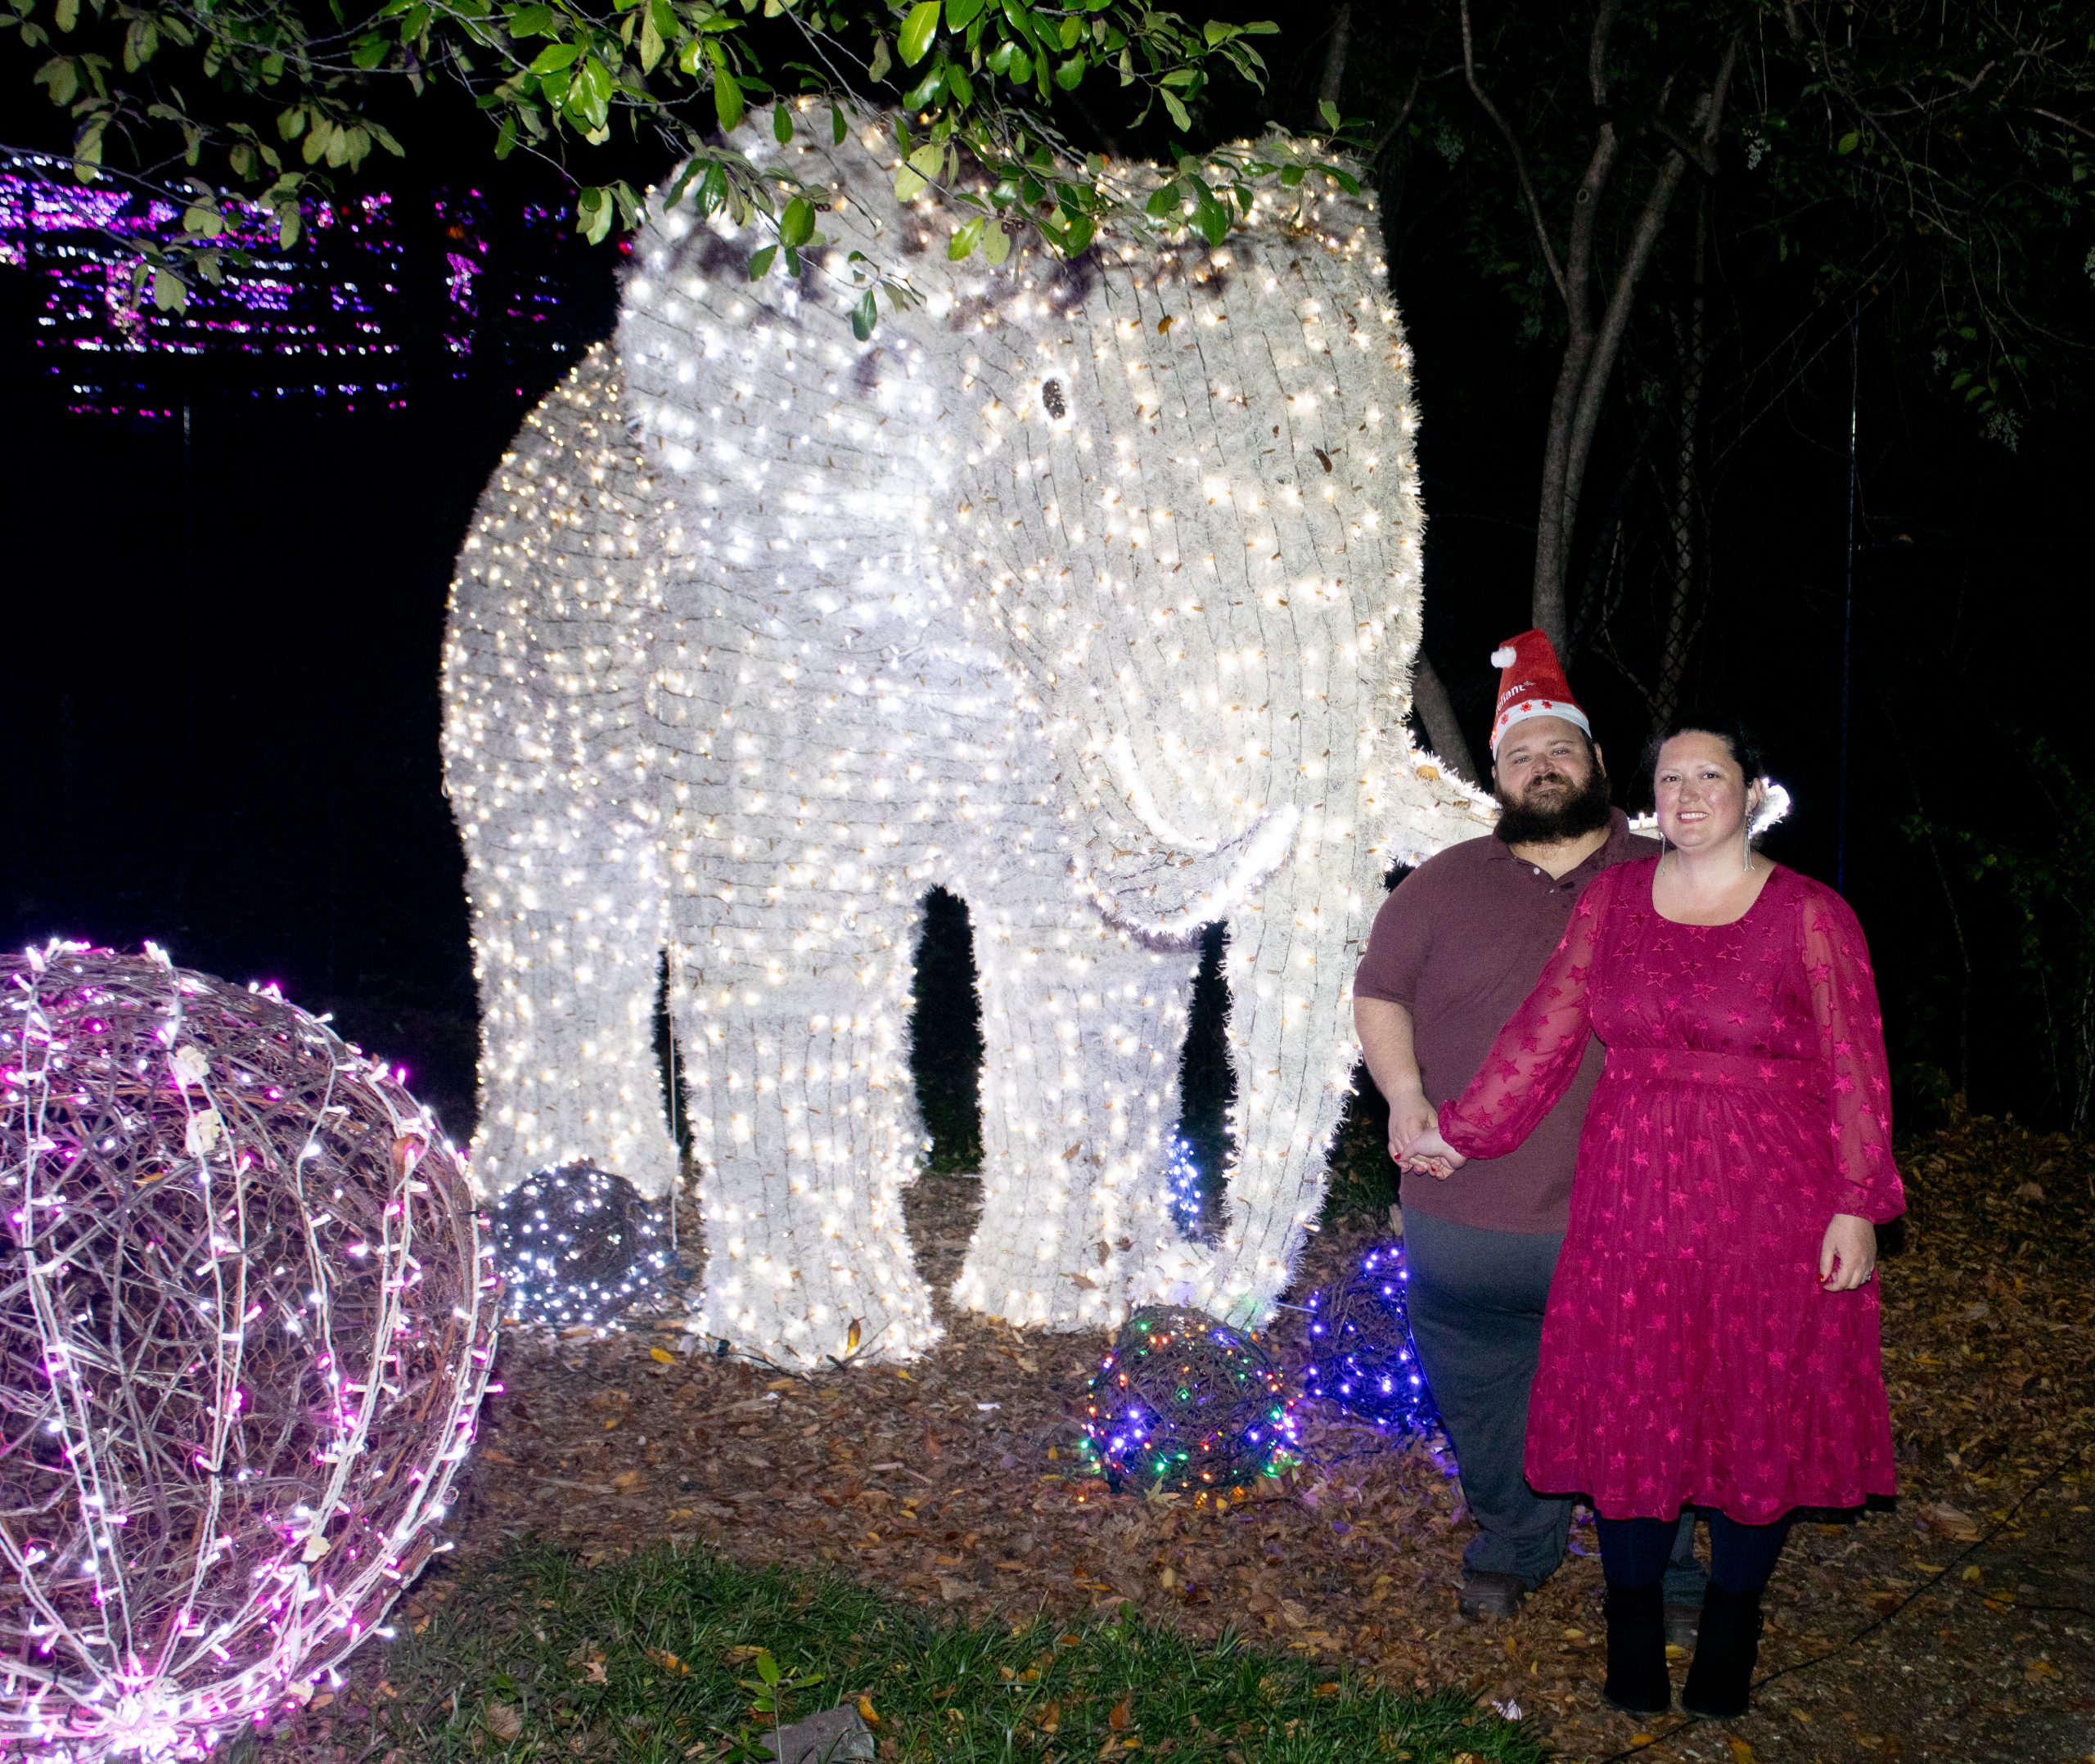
x=1739, y=741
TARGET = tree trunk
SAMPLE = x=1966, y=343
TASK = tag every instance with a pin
x=1432, y=706
x=1686, y=502
x=1335, y=52
x=1591, y=350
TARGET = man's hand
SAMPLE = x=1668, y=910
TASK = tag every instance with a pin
x=1429, y=1154
x=1847, y=1256
x=1410, y=1115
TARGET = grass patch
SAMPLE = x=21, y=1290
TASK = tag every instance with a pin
x=535, y=1657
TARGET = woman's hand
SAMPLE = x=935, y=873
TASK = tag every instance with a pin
x=1847, y=1256
x=1429, y=1154
x=1410, y=1115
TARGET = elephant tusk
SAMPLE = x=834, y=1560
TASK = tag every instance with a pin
x=1248, y=861
x=1134, y=791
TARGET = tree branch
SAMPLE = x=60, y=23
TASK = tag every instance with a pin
x=2067, y=121
x=1644, y=238
x=1403, y=116
x=1519, y=158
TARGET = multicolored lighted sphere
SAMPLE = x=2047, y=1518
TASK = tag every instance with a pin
x=1188, y=1403
x=1361, y=1355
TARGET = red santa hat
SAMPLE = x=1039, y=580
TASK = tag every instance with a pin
x=1531, y=683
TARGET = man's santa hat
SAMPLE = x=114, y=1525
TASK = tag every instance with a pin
x=1531, y=683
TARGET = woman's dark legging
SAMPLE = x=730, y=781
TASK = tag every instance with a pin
x=1633, y=1552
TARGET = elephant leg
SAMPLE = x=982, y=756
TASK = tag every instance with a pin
x=1289, y=968
x=1083, y=1030
x=568, y=925
x=803, y=1126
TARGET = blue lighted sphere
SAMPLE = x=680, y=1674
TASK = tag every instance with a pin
x=1361, y=1355
x=1185, y=1402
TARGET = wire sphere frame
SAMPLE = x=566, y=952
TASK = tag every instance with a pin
x=246, y=1323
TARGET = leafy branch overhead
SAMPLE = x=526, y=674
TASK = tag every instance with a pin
x=266, y=98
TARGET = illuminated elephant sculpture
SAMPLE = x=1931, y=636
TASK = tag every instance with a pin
x=1088, y=591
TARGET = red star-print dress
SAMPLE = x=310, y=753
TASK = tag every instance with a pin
x=1689, y=1354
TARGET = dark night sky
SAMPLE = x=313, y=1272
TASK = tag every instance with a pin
x=223, y=729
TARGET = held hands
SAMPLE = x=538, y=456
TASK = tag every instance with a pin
x=1415, y=1141
x=1847, y=1256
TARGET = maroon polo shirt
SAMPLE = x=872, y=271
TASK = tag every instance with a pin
x=1460, y=943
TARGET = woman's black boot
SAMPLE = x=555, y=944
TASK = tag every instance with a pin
x=1636, y=1650
x=1720, y=1681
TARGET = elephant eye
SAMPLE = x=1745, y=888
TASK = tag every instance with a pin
x=1051, y=395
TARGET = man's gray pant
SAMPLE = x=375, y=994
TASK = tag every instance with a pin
x=1477, y=1300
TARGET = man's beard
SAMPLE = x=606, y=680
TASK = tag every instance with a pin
x=1579, y=811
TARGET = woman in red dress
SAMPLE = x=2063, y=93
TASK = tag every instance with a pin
x=1711, y=1336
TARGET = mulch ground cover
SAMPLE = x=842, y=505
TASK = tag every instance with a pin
x=1957, y=1624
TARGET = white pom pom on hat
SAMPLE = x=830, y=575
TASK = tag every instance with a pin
x=1503, y=657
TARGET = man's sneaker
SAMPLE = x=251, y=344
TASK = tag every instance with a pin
x=1485, y=1597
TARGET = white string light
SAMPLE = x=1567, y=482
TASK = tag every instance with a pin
x=1089, y=591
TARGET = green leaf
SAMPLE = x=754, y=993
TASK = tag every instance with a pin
x=797, y=225
x=782, y=123
x=964, y=239
x=1210, y=217
x=838, y=128
x=62, y=74
x=1290, y=177
x=289, y=219
x=927, y=90
x=1069, y=74
x=531, y=21
x=650, y=41
x=553, y=57
x=1215, y=31
x=876, y=70
x=67, y=14
x=864, y=316
x=914, y=43
x=726, y=98
x=1329, y=111
x=918, y=170
x=960, y=14
x=593, y=214
x=1077, y=235
x=760, y=263
x=1849, y=141
x=369, y=51
x=996, y=244
x=767, y=1668
x=1177, y=111
x=168, y=293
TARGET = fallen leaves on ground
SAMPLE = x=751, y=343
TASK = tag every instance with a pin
x=957, y=1485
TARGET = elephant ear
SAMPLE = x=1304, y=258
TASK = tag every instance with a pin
x=1163, y=898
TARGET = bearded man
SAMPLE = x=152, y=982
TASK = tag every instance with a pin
x=1455, y=951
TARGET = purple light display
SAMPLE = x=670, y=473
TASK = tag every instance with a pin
x=332, y=320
